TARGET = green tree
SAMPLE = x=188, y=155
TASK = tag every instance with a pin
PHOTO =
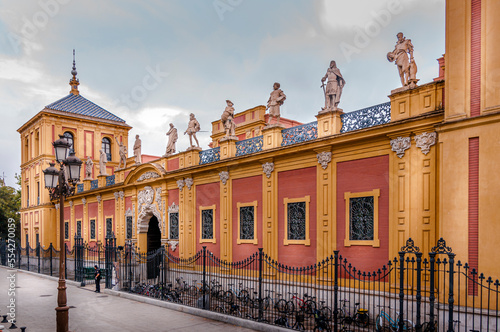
x=10, y=202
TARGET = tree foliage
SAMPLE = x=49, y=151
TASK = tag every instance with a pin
x=10, y=203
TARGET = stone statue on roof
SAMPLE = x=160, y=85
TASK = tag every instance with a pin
x=193, y=128
x=103, y=159
x=276, y=99
x=137, y=150
x=172, y=139
x=407, y=67
x=123, y=154
x=334, y=87
x=228, y=120
x=89, y=165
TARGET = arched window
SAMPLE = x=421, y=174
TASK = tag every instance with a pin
x=106, y=147
x=69, y=137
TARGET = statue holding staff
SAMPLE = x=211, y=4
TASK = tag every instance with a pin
x=334, y=87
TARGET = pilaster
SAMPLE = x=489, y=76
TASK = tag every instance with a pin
x=101, y=180
x=187, y=218
x=326, y=212
x=225, y=216
x=270, y=210
x=227, y=147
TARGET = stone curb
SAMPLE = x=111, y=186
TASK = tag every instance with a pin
x=172, y=306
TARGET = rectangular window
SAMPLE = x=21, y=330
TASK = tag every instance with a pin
x=207, y=224
x=79, y=228
x=38, y=193
x=92, y=229
x=66, y=230
x=362, y=218
x=109, y=227
x=37, y=244
x=297, y=221
x=129, y=227
x=27, y=196
x=173, y=226
x=247, y=225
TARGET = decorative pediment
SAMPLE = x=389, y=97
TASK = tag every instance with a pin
x=147, y=176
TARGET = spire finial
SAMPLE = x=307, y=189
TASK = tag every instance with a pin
x=74, y=81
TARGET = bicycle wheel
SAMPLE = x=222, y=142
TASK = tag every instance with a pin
x=379, y=323
x=193, y=290
x=244, y=296
x=228, y=297
x=309, y=307
x=220, y=309
x=281, y=306
x=361, y=319
x=327, y=313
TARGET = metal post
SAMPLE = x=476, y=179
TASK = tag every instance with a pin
x=335, y=290
x=401, y=289
x=451, y=257
x=28, y=253
x=62, y=308
x=419, y=290
x=260, y=284
x=204, y=275
x=432, y=259
x=38, y=254
x=50, y=255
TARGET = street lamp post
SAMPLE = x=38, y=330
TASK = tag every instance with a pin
x=61, y=183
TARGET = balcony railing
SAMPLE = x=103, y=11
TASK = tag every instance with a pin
x=209, y=156
x=110, y=180
x=94, y=184
x=299, y=134
x=366, y=117
x=250, y=145
x=79, y=187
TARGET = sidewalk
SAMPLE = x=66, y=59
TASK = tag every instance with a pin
x=36, y=299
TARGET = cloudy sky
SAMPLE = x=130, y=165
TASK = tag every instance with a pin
x=153, y=62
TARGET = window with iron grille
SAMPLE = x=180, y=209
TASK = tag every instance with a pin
x=79, y=228
x=247, y=222
x=207, y=224
x=109, y=226
x=92, y=228
x=361, y=218
x=129, y=227
x=66, y=230
x=296, y=216
x=173, y=219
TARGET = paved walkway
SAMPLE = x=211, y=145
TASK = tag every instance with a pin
x=36, y=299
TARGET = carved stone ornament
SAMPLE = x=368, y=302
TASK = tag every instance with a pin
x=224, y=176
x=173, y=244
x=99, y=198
x=158, y=197
x=324, y=158
x=188, y=182
x=121, y=194
x=180, y=184
x=117, y=195
x=173, y=208
x=147, y=209
x=84, y=201
x=147, y=176
x=268, y=168
x=400, y=144
x=70, y=203
x=56, y=206
x=424, y=141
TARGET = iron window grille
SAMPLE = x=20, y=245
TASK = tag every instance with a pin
x=247, y=221
x=207, y=224
x=129, y=227
x=92, y=228
x=296, y=213
x=109, y=226
x=79, y=228
x=361, y=218
x=66, y=230
x=173, y=227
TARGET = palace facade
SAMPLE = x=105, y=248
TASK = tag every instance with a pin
x=422, y=165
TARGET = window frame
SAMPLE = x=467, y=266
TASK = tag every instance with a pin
x=255, y=237
x=307, y=240
x=68, y=133
x=213, y=208
x=375, y=193
x=108, y=155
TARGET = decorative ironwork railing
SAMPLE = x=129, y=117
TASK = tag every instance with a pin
x=366, y=117
x=110, y=180
x=209, y=156
x=250, y=145
x=79, y=187
x=94, y=184
x=298, y=134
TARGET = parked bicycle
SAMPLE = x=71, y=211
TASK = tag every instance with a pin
x=237, y=293
x=322, y=323
x=385, y=322
x=359, y=317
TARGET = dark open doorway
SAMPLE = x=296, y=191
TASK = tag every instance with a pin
x=154, y=243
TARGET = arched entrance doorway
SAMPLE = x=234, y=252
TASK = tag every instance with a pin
x=154, y=243
x=154, y=234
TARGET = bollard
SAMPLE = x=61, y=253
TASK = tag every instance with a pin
x=5, y=319
x=23, y=328
x=13, y=326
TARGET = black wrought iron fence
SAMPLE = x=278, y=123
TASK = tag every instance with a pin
x=410, y=292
